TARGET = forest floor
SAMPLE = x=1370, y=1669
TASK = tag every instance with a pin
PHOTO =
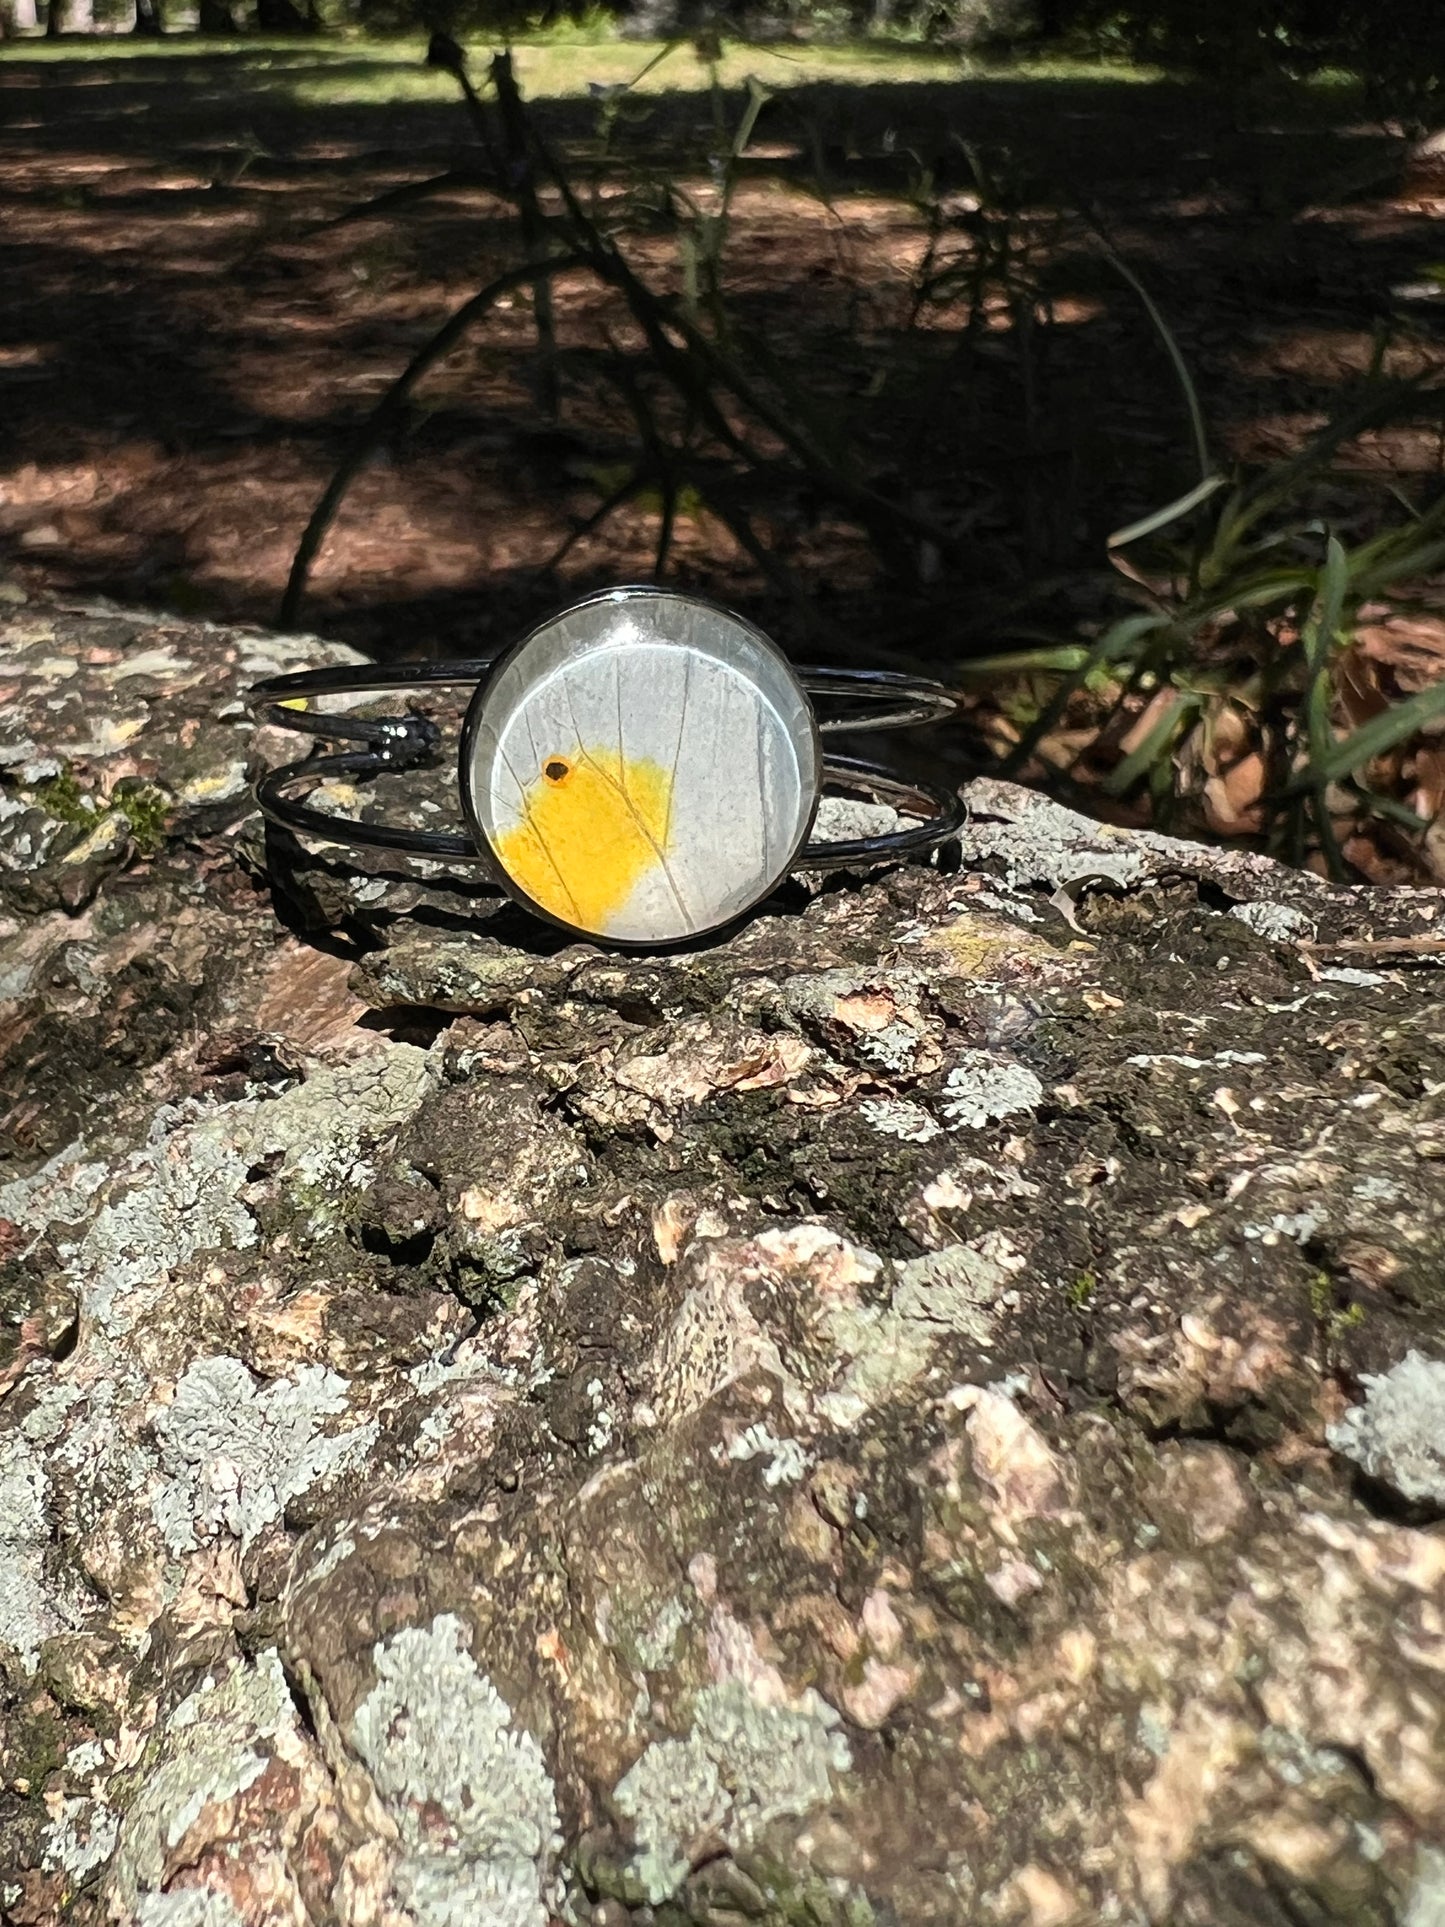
x=189, y=338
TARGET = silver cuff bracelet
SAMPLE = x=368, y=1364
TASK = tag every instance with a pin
x=643, y=768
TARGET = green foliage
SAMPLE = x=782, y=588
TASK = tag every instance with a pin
x=724, y=424
x=1083, y=1289
x=1333, y=1320
x=1243, y=594
x=1250, y=598
x=62, y=797
x=143, y=808
x=1397, y=51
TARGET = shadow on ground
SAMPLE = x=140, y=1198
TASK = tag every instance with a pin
x=189, y=340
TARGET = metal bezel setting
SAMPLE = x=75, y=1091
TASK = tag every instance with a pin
x=860, y=699
x=476, y=712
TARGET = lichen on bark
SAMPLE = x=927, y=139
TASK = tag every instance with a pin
x=924, y=1411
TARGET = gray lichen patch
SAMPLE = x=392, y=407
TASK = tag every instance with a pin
x=955, y=1289
x=468, y=1789
x=844, y=819
x=233, y=1454
x=984, y=1086
x=478, y=975
x=875, y=1016
x=187, y=1907
x=784, y=1461
x=1425, y=1906
x=215, y=1744
x=1034, y=840
x=22, y=1491
x=29, y=1610
x=814, y=1319
x=746, y=1762
x=886, y=1349
x=1398, y=1434
x=58, y=1193
x=33, y=1607
x=181, y=1195
x=175, y=1200
x=901, y=1118
x=1278, y=922
x=81, y=1837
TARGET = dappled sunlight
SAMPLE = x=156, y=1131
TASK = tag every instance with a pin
x=1305, y=348
x=888, y=372
x=213, y=340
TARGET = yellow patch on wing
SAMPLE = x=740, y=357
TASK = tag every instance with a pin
x=594, y=823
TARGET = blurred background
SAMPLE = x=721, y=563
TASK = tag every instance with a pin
x=1088, y=357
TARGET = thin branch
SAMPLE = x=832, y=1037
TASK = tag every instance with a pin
x=612, y=502
x=1377, y=947
x=696, y=367
x=388, y=409
x=405, y=195
x=664, y=534
x=534, y=226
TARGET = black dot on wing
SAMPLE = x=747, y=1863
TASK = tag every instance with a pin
x=556, y=769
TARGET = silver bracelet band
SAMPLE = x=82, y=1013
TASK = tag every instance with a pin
x=643, y=768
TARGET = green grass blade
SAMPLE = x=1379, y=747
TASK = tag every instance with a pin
x=1377, y=403
x=670, y=47
x=1406, y=565
x=1025, y=662
x=1322, y=633
x=1391, y=810
x=758, y=98
x=1171, y=512
x=1173, y=350
x=1117, y=642
x=1120, y=637
x=1382, y=732
x=1334, y=856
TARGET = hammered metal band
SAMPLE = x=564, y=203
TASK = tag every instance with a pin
x=644, y=767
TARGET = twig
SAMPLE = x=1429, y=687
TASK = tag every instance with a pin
x=403, y=196
x=1378, y=947
x=386, y=412
x=698, y=366
x=534, y=227
x=594, y=521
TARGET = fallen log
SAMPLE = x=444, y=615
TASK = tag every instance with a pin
x=929, y=1411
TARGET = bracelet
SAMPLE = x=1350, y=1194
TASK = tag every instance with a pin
x=643, y=768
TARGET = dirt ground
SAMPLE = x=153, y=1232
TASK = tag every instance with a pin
x=189, y=341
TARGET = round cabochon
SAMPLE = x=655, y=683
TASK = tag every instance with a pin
x=644, y=767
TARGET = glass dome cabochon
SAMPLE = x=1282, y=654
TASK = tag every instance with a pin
x=644, y=767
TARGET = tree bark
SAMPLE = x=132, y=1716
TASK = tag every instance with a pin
x=69, y=16
x=929, y=1410
x=17, y=17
